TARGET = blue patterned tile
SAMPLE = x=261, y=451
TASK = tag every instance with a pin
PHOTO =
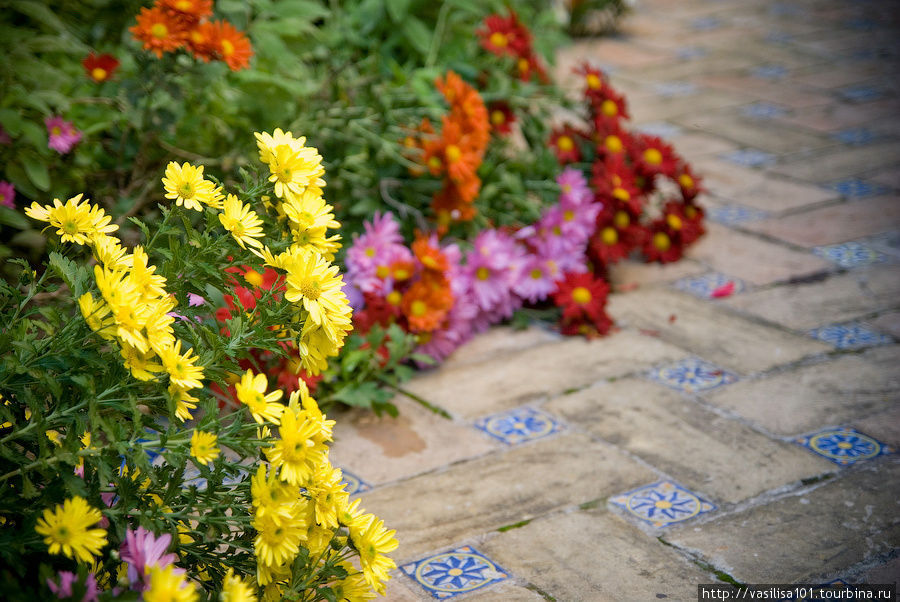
x=769, y=72
x=459, y=571
x=861, y=93
x=843, y=446
x=706, y=23
x=659, y=128
x=855, y=136
x=353, y=484
x=662, y=504
x=519, y=425
x=850, y=336
x=850, y=254
x=734, y=215
x=691, y=375
x=749, y=157
x=855, y=188
x=691, y=52
x=705, y=285
x=671, y=89
x=764, y=110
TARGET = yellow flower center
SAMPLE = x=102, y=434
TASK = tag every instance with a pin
x=498, y=117
x=418, y=308
x=254, y=278
x=394, y=298
x=184, y=5
x=434, y=163
x=653, y=156
x=614, y=144
x=186, y=190
x=99, y=73
x=609, y=108
x=686, y=181
x=663, y=505
x=620, y=193
x=581, y=295
x=523, y=65
x=382, y=271
x=499, y=40
x=690, y=212
x=482, y=273
x=159, y=30
x=401, y=274
x=565, y=143
x=609, y=236
x=55, y=130
x=568, y=215
x=593, y=82
x=674, y=222
x=662, y=241
x=69, y=227
x=621, y=220
x=311, y=289
x=370, y=251
x=536, y=274
x=453, y=153
x=227, y=48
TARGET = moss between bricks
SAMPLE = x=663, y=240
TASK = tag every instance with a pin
x=720, y=575
x=506, y=528
x=540, y=592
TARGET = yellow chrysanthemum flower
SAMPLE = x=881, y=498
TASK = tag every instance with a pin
x=267, y=143
x=251, y=391
x=148, y=284
x=308, y=213
x=109, y=251
x=235, y=590
x=116, y=287
x=270, y=495
x=76, y=221
x=317, y=284
x=243, y=223
x=373, y=541
x=204, y=448
x=182, y=371
x=168, y=586
x=187, y=186
x=353, y=587
x=66, y=529
x=296, y=454
x=97, y=315
x=327, y=493
x=293, y=169
x=140, y=363
x=277, y=542
x=184, y=402
x=158, y=324
x=300, y=400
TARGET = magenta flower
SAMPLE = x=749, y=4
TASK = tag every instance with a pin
x=573, y=187
x=142, y=550
x=67, y=579
x=63, y=135
x=7, y=195
x=538, y=279
x=195, y=300
x=492, y=266
x=380, y=245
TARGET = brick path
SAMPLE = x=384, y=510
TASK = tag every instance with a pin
x=671, y=453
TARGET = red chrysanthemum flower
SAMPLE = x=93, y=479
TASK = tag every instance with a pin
x=653, y=156
x=617, y=233
x=377, y=310
x=100, y=68
x=586, y=327
x=614, y=141
x=615, y=186
x=684, y=221
x=594, y=82
x=505, y=35
x=660, y=244
x=158, y=31
x=608, y=108
x=501, y=116
x=529, y=66
x=688, y=182
x=581, y=295
x=565, y=144
x=454, y=204
x=232, y=45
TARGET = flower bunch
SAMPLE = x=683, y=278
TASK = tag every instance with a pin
x=171, y=25
x=508, y=36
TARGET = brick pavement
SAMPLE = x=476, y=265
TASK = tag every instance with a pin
x=748, y=438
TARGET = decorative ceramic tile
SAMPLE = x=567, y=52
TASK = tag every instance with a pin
x=710, y=286
x=763, y=110
x=659, y=128
x=850, y=254
x=670, y=89
x=769, y=72
x=843, y=446
x=519, y=425
x=692, y=375
x=691, y=52
x=861, y=93
x=453, y=573
x=850, y=336
x=855, y=136
x=733, y=215
x=749, y=157
x=353, y=484
x=706, y=23
x=662, y=504
x=856, y=188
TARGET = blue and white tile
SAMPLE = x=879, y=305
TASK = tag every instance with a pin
x=843, y=446
x=769, y=72
x=856, y=188
x=855, y=136
x=519, y=425
x=763, y=110
x=851, y=254
x=659, y=128
x=672, y=89
x=353, y=484
x=861, y=93
x=854, y=335
x=692, y=375
x=662, y=504
x=456, y=572
x=735, y=215
x=705, y=285
x=749, y=157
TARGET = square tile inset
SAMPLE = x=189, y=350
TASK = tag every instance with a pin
x=353, y=484
x=692, y=375
x=662, y=504
x=710, y=286
x=749, y=157
x=850, y=254
x=519, y=425
x=854, y=188
x=861, y=93
x=850, y=336
x=734, y=215
x=459, y=571
x=855, y=136
x=843, y=446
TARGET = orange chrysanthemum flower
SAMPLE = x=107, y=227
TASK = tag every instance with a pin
x=202, y=42
x=431, y=258
x=158, y=31
x=426, y=307
x=232, y=45
x=189, y=11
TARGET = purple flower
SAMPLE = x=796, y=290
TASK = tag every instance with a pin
x=63, y=135
x=538, y=279
x=141, y=550
x=573, y=187
x=195, y=300
x=492, y=266
x=370, y=256
x=7, y=195
x=67, y=579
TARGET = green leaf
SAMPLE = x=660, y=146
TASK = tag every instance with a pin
x=71, y=273
x=10, y=217
x=35, y=134
x=11, y=121
x=37, y=173
x=417, y=34
x=305, y=9
x=397, y=9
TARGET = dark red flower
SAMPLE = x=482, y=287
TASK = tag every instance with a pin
x=505, y=35
x=581, y=295
x=501, y=116
x=660, y=244
x=100, y=68
x=688, y=182
x=565, y=144
x=653, y=156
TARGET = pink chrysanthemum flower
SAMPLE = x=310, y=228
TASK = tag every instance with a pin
x=63, y=588
x=573, y=187
x=142, y=550
x=62, y=134
x=492, y=267
x=371, y=254
x=7, y=195
x=538, y=279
